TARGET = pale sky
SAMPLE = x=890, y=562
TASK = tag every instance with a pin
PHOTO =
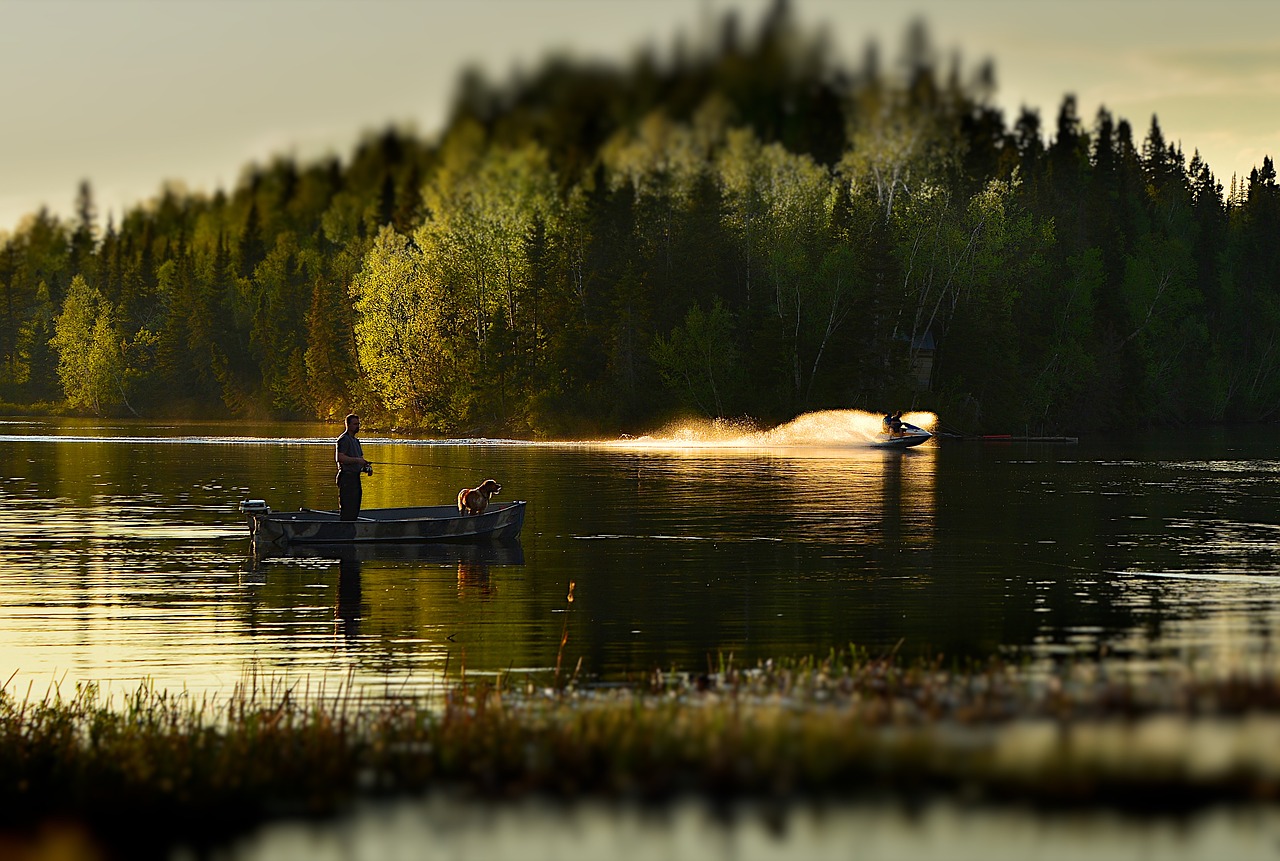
x=131, y=93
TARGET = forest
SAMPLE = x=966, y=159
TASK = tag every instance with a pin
x=750, y=229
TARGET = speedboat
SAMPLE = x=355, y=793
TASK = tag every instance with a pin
x=909, y=436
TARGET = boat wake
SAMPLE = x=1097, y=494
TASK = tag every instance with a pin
x=825, y=429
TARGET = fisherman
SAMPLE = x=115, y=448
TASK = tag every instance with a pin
x=350, y=458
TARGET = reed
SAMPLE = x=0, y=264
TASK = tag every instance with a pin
x=202, y=768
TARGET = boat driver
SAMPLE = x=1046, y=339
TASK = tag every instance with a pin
x=350, y=458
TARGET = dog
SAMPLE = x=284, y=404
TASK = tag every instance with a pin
x=475, y=500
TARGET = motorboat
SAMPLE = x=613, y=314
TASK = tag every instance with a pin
x=908, y=436
x=500, y=521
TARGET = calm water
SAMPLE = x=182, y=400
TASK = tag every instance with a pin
x=124, y=557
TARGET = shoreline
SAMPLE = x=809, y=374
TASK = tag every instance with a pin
x=843, y=729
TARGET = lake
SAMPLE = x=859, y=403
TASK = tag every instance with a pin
x=125, y=558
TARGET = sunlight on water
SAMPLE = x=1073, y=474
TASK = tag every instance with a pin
x=125, y=557
x=828, y=428
x=822, y=429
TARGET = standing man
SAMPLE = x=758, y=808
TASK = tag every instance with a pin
x=351, y=462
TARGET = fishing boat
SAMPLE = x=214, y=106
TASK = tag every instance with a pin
x=909, y=436
x=502, y=520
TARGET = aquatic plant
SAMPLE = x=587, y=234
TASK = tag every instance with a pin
x=202, y=768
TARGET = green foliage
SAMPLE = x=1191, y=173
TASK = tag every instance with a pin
x=484, y=205
x=401, y=330
x=699, y=359
x=34, y=365
x=90, y=359
x=546, y=264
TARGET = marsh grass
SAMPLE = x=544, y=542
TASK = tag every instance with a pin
x=201, y=768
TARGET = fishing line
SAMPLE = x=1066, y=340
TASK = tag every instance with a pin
x=417, y=465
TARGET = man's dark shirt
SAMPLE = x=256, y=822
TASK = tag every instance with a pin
x=350, y=446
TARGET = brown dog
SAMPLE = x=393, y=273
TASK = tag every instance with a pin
x=475, y=500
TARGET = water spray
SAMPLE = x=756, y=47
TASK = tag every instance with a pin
x=826, y=429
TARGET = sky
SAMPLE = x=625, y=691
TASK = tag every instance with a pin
x=130, y=94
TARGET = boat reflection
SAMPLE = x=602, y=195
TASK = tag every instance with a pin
x=473, y=561
x=433, y=552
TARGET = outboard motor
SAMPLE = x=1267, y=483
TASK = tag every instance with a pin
x=253, y=509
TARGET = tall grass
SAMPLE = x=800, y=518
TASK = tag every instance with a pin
x=173, y=764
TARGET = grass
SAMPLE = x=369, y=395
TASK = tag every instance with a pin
x=849, y=724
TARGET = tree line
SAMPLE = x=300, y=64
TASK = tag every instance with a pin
x=750, y=229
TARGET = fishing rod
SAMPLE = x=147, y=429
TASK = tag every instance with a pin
x=373, y=463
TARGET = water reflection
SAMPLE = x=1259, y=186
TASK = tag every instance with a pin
x=472, y=561
x=509, y=552
x=349, y=608
x=861, y=496
x=125, y=558
x=473, y=578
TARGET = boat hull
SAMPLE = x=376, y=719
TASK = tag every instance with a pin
x=502, y=521
x=910, y=436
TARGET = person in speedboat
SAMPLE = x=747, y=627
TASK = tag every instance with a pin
x=893, y=424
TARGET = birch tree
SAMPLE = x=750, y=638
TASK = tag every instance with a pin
x=90, y=359
x=401, y=341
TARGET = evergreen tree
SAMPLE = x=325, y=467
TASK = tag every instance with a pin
x=84, y=234
x=581, y=234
